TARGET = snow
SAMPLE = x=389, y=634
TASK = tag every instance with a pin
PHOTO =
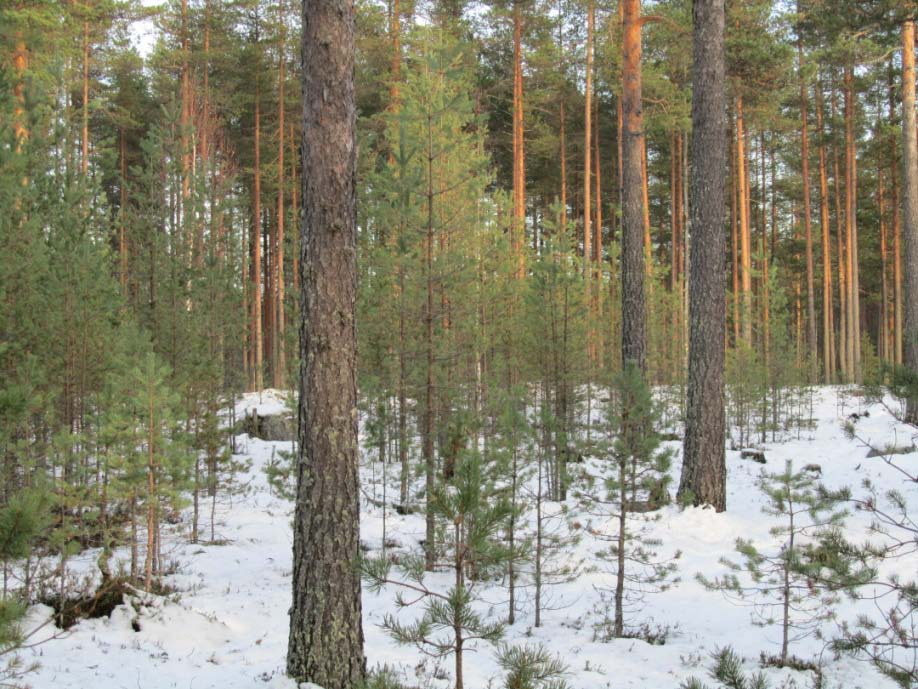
x=227, y=625
x=269, y=402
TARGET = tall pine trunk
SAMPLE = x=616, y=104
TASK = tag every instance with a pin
x=851, y=257
x=326, y=633
x=279, y=366
x=745, y=239
x=84, y=159
x=633, y=303
x=909, y=212
x=704, y=471
x=897, y=232
x=519, y=160
x=828, y=320
x=257, y=336
x=588, y=148
x=812, y=345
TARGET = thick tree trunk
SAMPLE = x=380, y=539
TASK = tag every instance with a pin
x=909, y=212
x=704, y=469
x=633, y=304
x=326, y=634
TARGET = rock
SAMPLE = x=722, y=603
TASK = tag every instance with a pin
x=813, y=469
x=754, y=455
x=276, y=427
x=890, y=450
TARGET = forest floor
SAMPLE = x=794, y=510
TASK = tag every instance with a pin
x=226, y=626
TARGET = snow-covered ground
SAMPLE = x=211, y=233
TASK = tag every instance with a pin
x=227, y=627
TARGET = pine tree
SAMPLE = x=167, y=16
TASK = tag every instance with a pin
x=635, y=487
x=23, y=519
x=472, y=518
x=326, y=633
x=786, y=587
x=704, y=471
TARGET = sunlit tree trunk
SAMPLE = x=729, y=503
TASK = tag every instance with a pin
x=84, y=153
x=812, y=345
x=257, y=336
x=587, y=147
x=20, y=64
x=742, y=184
x=853, y=282
x=909, y=212
x=519, y=157
x=279, y=366
x=843, y=349
x=735, y=237
x=828, y=310
x=634, y=340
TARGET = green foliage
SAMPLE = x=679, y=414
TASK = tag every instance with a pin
x=787, y=587
x=727, y=671
x=886, y=637
x=473, y=519
x=23, y=520
x=635, y=487
x=24, y=517
x=382, y=678
x=531, y=667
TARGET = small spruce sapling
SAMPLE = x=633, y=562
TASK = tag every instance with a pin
x=474, y=521
x=786, y=587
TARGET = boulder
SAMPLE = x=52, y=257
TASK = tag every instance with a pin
x=274, y=427
x=754, y=455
